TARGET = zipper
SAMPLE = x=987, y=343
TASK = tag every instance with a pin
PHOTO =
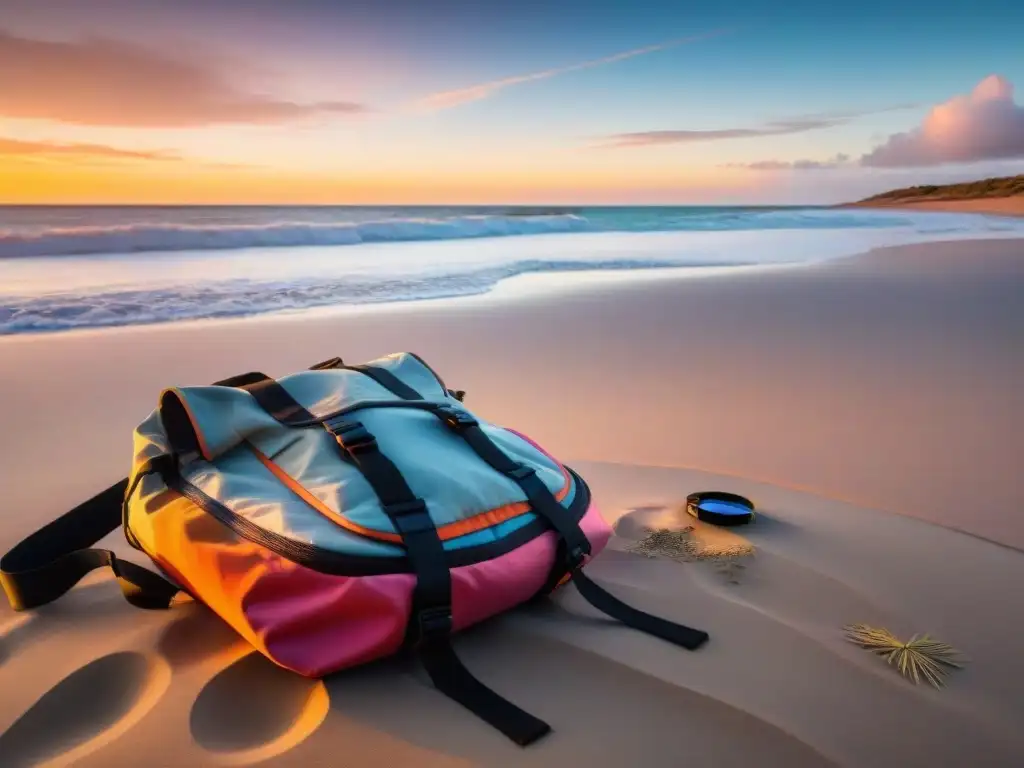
x=338, y=564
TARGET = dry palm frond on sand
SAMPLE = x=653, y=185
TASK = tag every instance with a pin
x=917, y=658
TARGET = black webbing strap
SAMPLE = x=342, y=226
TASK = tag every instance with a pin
x=328, y=364
x=48, y=563
x=573, y=544
x=386, y=379
x=607, y=603
x=430, y=623
x=276, y=401
x=543, y=502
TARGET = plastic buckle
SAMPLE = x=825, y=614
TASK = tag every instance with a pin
x=339, y=423
x=410, y=517
x=434, y=622
x=403, y=508
x=575, y=558
x=521, y=472
x=456, y=418
x=352, y=436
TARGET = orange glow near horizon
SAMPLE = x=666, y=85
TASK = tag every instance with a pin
x=109, y=120
x=24, y=180
x=403, y=103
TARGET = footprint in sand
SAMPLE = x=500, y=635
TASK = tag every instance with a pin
x=254, y=710
x=85, y=711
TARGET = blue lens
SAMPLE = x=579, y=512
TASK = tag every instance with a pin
x=724, y=507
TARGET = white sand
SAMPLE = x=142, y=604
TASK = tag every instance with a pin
x=860, y=403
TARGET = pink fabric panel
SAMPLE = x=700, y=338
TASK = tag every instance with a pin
x=485, y=589
x=315, y=623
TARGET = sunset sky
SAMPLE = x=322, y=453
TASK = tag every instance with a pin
x=452, y=101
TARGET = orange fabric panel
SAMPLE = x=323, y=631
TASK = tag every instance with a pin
x=207, y=558
x=281, y=608
x=472, y=524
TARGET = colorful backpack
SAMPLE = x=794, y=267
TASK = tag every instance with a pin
x=336, y=516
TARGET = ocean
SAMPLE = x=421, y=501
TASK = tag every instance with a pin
x=69, y=267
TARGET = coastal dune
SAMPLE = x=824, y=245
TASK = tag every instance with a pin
x=872, y=407
x=994, y=206
x=1002, y=196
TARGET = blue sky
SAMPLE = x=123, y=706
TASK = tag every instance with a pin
x=457, y=101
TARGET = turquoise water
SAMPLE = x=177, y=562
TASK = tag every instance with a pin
x=61, y=231
x=72, y=267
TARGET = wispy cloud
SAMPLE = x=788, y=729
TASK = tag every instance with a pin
x=50, y=149
x=836, y=161
x=75, y=154
x=782, y=127
x=453, y=98
x=799, y=124
x=98, y=81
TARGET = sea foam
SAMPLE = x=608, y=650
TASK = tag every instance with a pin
x=136, y=238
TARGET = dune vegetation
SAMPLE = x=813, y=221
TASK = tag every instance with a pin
x=1006, y=186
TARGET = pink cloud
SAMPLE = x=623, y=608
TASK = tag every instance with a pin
x=985, y=124
x=18, y=148
x=109, y=82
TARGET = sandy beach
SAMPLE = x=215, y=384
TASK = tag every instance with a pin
x=872, y=407
x=995, y=206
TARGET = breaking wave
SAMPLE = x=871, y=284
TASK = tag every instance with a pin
x=136, y=238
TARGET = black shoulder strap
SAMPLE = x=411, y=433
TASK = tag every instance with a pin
x=52, y=560
x=49, y=562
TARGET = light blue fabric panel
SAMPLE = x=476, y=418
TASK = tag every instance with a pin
x=437, y=463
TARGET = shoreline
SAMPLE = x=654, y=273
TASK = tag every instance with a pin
x=527, y=286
